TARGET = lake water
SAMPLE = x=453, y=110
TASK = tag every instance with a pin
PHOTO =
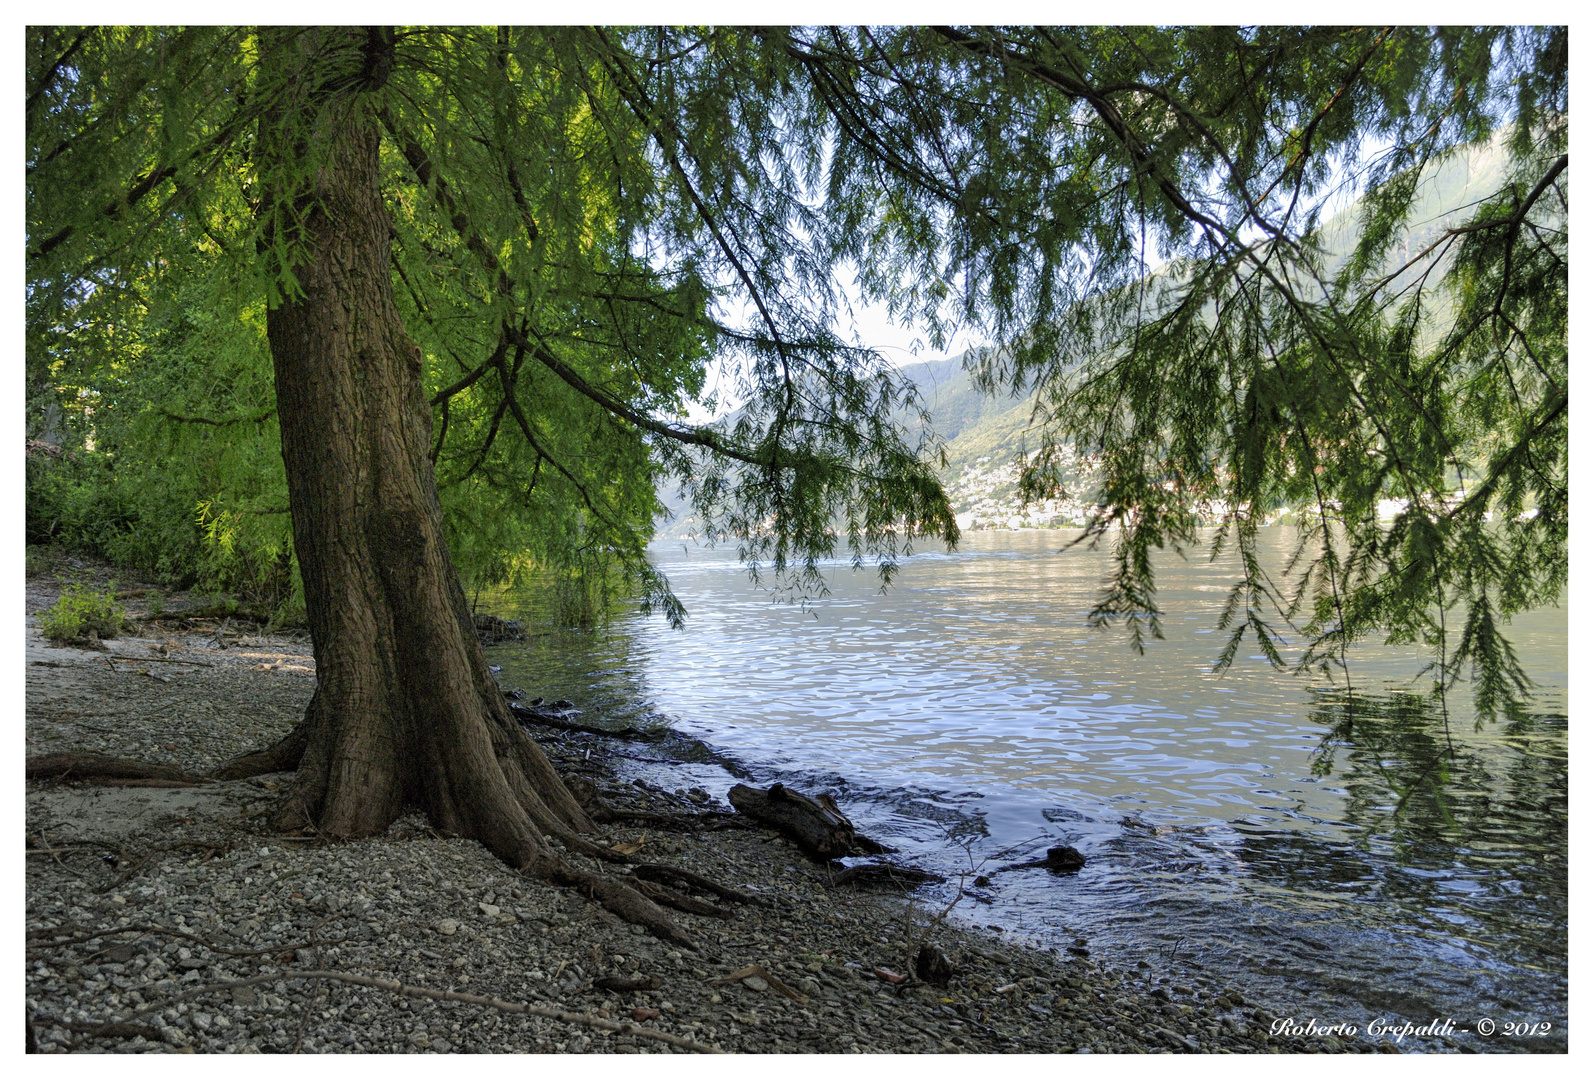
x=970, y=717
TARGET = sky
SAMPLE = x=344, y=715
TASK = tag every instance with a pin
x=868, y=323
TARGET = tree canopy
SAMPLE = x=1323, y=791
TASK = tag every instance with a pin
x=585, y=219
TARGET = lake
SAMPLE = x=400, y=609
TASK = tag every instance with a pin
x=970, y=717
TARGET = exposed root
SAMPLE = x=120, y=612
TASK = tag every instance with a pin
x=882, y=874
x=282, y=756
x=560, y=720
x=663, y=872
x=620, y=898
x=80, y=765
x=663, y=894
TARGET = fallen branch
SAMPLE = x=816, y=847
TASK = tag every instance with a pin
x=882, y=873
x=168, y=660
x=83, y=935
x=755, y=971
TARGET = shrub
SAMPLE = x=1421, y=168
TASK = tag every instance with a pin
x=81, y=612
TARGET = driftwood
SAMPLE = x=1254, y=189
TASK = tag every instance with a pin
x=882, y=874
x=821, y=831
x=1059, y=860
x=755, y=971
x=816, y=825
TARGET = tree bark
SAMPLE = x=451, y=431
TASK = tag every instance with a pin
x=405, y=711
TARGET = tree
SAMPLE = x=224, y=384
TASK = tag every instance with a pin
x=462, y=233
x=513, y=170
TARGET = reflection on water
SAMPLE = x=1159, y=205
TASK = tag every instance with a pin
x=1344, y=859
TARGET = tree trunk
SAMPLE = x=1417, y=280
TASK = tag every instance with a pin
x=405, y=711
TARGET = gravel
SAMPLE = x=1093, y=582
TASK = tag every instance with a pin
x=148, y=906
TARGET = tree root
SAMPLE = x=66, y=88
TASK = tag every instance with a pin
x=663, y=872
x=619, y=897
x=80, y=765
x=663, y=894
x=880, y=874
x=559, y=720
x=282, y=756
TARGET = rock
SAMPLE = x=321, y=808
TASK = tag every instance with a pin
x=446, y=927
x=489, y=910
x=932, y=966
x=1059, y=860
x=753, y=982
x=492, y=630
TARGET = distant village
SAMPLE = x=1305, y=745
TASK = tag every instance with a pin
x=985, y=496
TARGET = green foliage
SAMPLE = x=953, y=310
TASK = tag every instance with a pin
x=585, y=219
x=570, y=219
x=80, y=613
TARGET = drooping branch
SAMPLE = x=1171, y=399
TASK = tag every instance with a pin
x=421, y=165
x=257, y=418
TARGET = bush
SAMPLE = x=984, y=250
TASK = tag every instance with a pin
x=82, y=612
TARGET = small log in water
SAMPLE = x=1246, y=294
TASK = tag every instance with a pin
x=1059, y=860
x=820, y=830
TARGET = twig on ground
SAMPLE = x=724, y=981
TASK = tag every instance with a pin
x=915, y=947
x=304, y=1017
x=90, y=935
x=210, y=849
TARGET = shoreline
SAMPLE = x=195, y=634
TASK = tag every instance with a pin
x=200, y=869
